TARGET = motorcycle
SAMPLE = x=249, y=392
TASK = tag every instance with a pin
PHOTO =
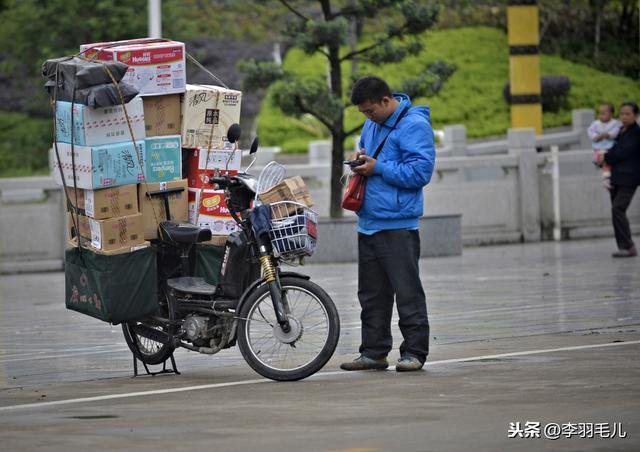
x=286, y=326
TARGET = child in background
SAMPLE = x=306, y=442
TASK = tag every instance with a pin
x=602, y=133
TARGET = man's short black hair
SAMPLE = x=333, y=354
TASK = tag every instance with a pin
x=369, y=88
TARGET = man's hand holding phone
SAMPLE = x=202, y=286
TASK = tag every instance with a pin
x=361, y=163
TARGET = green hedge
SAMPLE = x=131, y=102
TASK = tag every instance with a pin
x=472, y=96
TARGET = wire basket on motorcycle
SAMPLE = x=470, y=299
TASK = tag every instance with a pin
x=294, y=230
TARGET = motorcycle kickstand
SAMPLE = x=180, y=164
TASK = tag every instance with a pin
x=164, y=370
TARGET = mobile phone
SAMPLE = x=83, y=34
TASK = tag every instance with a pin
x=354, y=163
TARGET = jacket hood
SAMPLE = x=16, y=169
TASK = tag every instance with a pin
x=404, y=102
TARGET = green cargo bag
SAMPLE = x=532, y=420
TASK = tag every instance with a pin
x=118, y=288
x=208, y=262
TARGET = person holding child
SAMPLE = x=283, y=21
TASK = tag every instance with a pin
x=624, y=160
x=602, y=133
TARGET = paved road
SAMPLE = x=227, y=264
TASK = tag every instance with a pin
x=540, y=333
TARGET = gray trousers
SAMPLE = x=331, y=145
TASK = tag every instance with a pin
x=388, y=268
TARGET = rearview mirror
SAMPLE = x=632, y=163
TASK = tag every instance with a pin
x=234, y=132
x=254, y=146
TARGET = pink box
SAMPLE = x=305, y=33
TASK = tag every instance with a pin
x=155, y=66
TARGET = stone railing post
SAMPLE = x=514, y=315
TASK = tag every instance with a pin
x=522, y=142
x=580, y=121
x=320, y=152
x=455, y=138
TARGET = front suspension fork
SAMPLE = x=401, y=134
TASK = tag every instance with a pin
x=271, y=278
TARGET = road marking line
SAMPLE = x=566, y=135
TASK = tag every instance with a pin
x=320, y=374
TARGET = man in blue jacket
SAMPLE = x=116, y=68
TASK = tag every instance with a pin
x=388, y=224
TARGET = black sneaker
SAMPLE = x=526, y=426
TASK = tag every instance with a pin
x=408, y=364
x=364, y=363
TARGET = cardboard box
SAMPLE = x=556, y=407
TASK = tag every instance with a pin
x=203, y=164
x=162, y=115
x=208, y=209
x=110, y=234
x=76, y=197
x=108, y=165
x=107, y=202
x=290, y=189
x=207, y=113
x=154, y=67
x=97, y=126
x=73, y=243
x=153, y=212
x=162, y=159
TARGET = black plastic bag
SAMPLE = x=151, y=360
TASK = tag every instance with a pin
x=93, y=85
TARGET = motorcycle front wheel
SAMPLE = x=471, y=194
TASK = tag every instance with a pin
x=299, y=352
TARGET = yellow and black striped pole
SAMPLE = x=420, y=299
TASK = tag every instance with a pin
x=524, y=64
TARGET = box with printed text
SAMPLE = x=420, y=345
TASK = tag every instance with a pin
x=97, y=126
x=108, y=165
x=162, y=158
x=162, y=115
x=155, y=66
x=208, y=209
x=205, y=163
x=106, y=202
x=108, y=234
x=153, y=209
x=207, y=113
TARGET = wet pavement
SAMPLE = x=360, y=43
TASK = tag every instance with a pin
x=538, y=334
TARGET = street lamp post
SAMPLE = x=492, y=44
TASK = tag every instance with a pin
x=155, y=18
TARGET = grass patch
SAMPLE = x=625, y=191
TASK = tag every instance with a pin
x=472, y=96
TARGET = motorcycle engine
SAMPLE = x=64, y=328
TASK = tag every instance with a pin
x=195, y=327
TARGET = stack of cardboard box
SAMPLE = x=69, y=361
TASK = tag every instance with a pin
x=175, y=136
x=121, y=155
x=207, y=113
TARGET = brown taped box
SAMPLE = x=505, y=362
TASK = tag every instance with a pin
x=86, y=244
x=162, y=115
x=109, y=234
x=107, y=202
x=291, y=189
x=153, y=212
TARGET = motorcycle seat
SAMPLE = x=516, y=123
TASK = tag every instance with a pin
x=183, y=232
x=192, y=285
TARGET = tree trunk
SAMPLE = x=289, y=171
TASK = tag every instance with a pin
x=596, y=46
x=337, y=129
x=337, y=168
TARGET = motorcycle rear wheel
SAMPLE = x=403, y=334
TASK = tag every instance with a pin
x=149, y=351
x=299, y=353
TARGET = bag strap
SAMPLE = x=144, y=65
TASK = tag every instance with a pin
x=400, y=116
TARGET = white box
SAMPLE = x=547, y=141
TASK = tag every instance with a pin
x=107, y=165
x=208, y=209
x=154, y=67
x=207, y=113
x=96, y=126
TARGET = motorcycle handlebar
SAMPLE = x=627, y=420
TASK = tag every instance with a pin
x=222, y=182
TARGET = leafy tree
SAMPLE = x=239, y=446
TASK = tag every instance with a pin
x=335, y=29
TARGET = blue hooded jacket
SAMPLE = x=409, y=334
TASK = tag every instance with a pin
x=393, y=197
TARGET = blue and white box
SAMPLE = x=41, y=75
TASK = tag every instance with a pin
x=163, y=158
x=109, y=165
x=97, y=126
